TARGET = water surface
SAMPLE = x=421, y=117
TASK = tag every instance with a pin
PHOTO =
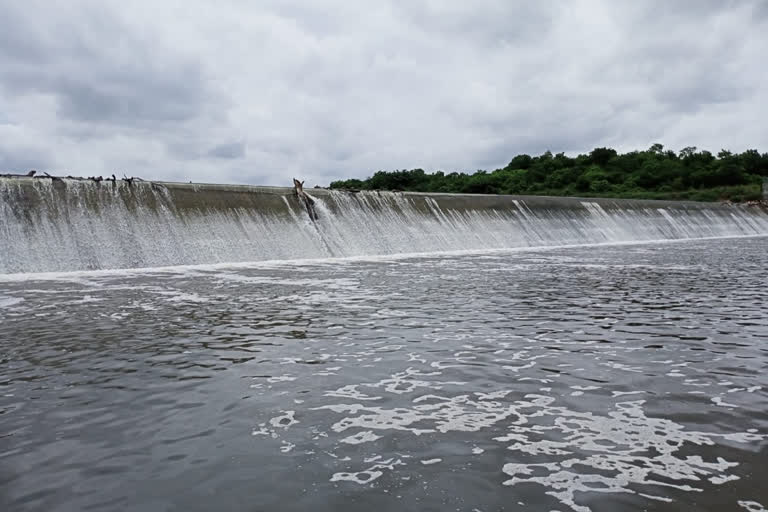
x=595, y=378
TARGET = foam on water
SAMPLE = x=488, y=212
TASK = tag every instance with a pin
x=6, y=302
x=752, y=506
x=570, y=378
x=75, y=225
x=617, y=452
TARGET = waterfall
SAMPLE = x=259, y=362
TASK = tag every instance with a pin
x=68, y=225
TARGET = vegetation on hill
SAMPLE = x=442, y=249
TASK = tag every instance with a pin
x=652, y=174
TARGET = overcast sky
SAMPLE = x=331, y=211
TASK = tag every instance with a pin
x=260, y=91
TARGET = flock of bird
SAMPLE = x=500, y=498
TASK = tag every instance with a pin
x=97, y=179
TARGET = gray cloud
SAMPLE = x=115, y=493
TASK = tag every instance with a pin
x=228, y=151
x=510, y=22
x=760, y=11
x=339, y=89
x=98, y=69
x=23, y=159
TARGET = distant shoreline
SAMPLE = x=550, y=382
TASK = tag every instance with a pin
x=656, y=173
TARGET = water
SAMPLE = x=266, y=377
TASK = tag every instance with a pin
x=602, y=378
x=72, y=225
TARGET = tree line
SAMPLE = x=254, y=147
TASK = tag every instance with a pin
x=655, y=173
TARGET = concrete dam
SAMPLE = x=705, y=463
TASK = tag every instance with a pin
x=66, y=225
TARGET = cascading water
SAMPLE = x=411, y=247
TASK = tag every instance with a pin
x=68, y=225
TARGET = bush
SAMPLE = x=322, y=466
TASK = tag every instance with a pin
x=652, y=174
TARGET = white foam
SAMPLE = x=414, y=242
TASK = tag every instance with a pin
x=193, y=269
x=718, y=400
x=280, y=378
x=622, y=451
x=368, y=475
x=752, y=506
x=284, y=421
x=612, y=446
x=7, y=302
x=366, y=436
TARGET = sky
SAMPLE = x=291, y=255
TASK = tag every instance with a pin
x=258, y=92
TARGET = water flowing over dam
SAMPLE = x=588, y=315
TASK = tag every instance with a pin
x=65, y=225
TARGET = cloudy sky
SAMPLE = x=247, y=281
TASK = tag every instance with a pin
x=258, y=91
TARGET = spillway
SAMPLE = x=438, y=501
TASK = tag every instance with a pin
x=66, y=225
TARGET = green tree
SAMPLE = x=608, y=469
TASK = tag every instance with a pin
x=654, y=173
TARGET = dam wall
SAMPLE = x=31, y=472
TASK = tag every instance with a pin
x=63, y=225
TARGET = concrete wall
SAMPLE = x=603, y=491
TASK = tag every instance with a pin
x=187, y=195
x=29, y=193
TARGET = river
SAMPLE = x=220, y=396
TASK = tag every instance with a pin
x=589, y=378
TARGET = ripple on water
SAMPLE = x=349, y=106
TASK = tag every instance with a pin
x=544, y=377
